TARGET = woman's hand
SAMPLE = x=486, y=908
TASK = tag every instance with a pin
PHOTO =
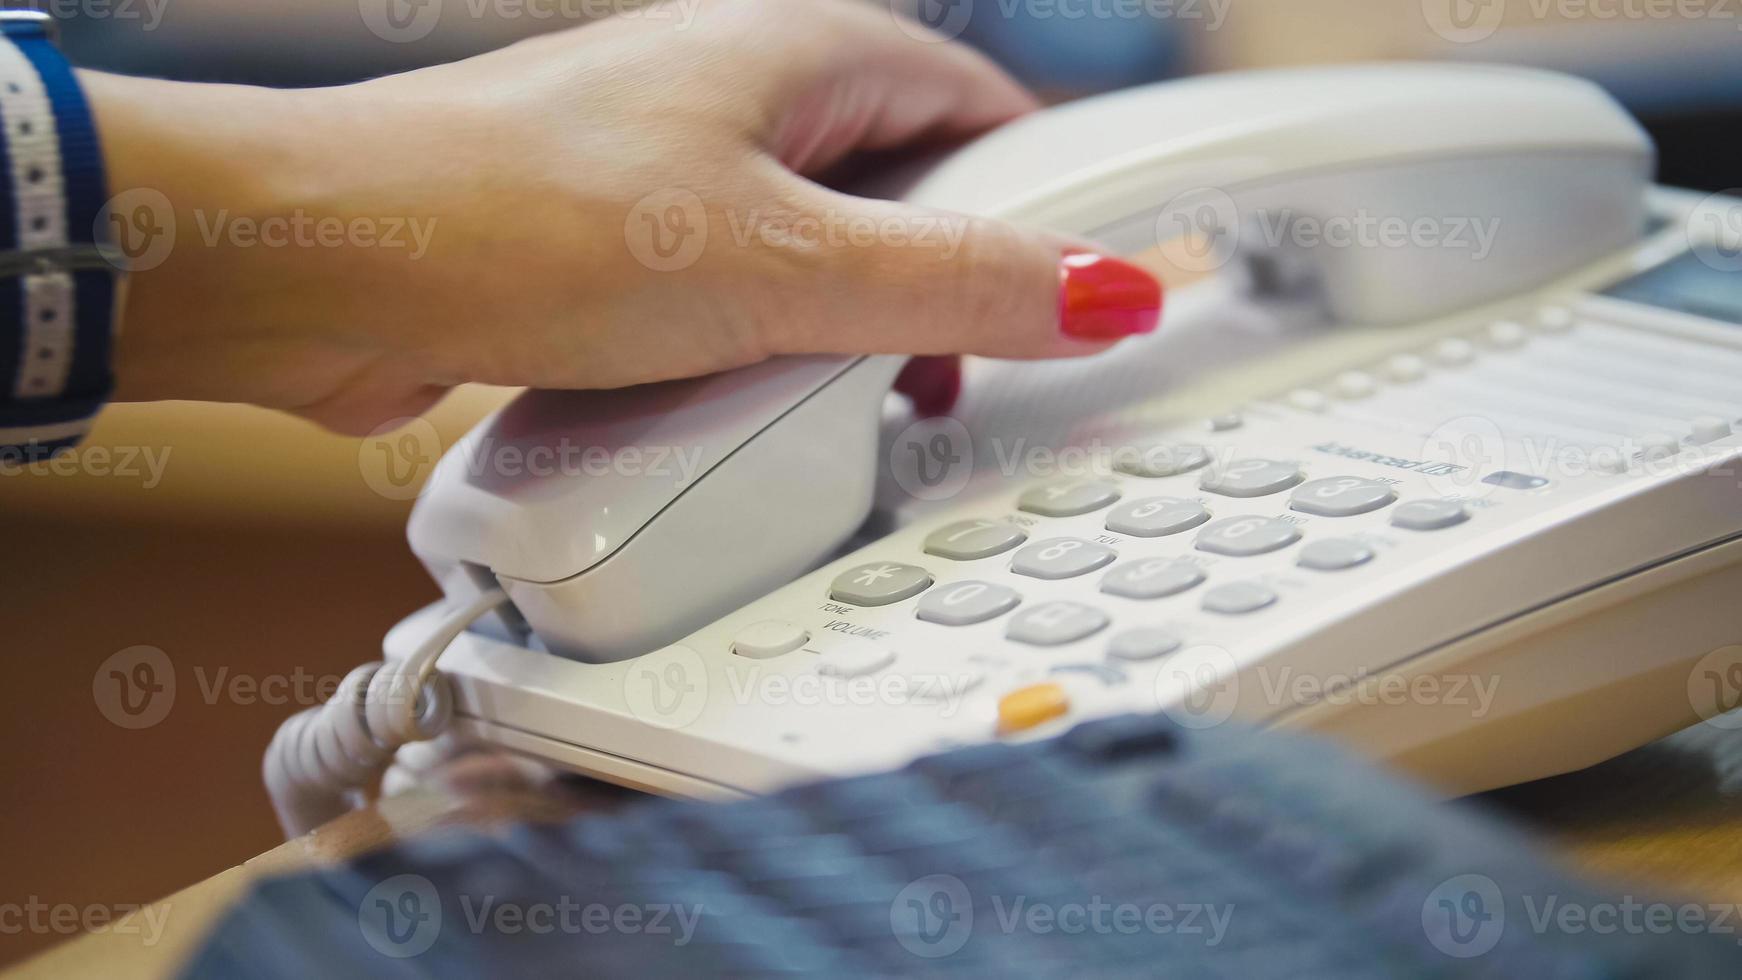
x=621, y=203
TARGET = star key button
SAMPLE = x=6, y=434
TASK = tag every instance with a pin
x=879, y=583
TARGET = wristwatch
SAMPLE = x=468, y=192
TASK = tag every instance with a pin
x=58, y=283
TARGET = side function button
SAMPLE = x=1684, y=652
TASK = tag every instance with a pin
x=1405, y=368
x=1068, y=498
x=1152, y=578
x=966, y=603
x=1226, y=422
x=1429, y=515
x=856, y=658
x=1242, y=537
x=1238, y=597
x=1056, y=558
x=1335, y=554
x=968, y=540
x=1709, y=428
x=1052, y=623
x=1251, y=478
x=1454, y=352
x=1342, y=496
x=879, y=583
x=769, y=638
x=1153, y=462
x=1153, y=517
x=1142, y=644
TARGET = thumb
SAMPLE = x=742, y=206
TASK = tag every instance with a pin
x=896, y=279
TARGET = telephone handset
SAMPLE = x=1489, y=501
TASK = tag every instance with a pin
x=1493, y=535
x=785, y=451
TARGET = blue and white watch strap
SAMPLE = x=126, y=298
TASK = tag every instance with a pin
x=57, y=292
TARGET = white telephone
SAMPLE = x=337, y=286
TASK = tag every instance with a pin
x=1386, y=535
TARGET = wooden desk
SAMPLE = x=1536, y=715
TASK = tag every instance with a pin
x=1664, y=820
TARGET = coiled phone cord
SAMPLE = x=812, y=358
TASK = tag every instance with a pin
x=322, y=760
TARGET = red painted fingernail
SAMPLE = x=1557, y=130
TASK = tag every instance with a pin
x=932, y=383
x=1102, y=298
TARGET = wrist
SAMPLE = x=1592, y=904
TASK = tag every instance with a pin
x=218, y=193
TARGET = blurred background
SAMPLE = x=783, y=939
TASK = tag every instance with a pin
x=266, y=558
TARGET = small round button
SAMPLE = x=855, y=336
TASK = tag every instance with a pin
x=1355, y=384
x=1227, y=422
x=1659, y=445
x=1554, y=319
x=1405, y=368
x=1709, y=428
x=1506, y=335
x=769, y=638
x=1454, y=352
x=1308, y=400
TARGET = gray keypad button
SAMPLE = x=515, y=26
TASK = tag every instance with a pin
x=1068, y=498
x=966, y=603
x=1152, y=578
x=1142, y=644
x=1153, y=517
x=1241, y=537
x=968, y=540
x=1335, y=554
x=1153, y=462
x=1251, y=478
x=1341, y=496
x=1429, y=515
x=879, y=583
x=1052, y=623
x=1055, y=558
x=1238, y=597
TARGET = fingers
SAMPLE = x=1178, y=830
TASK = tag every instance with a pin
x=929, y=282
x=886, y=83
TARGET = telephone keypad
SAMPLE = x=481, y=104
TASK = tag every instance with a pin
x=967, y=603
x=1055, y=623
x=1243, y=537
x=1251, y=478
x=879, y=583
x=1056, y=558
x=1153, y=517
x=1342, y=496
x=1068, y=498
x=971, y=539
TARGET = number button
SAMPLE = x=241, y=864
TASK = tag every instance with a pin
x=1429, y=515
x=1242, y=537
x=1153, y=517
x=1238, y=597
x=1159, y=461
x=1053, y=623
x=1152, y=578
x=1251, y=478
x=968, y=540
x=966, y=603
x=1341, y=496
x=1068, y=498
x=1056, y=558
x=1143, y=643
x=879, y=583
x=1335, y=554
